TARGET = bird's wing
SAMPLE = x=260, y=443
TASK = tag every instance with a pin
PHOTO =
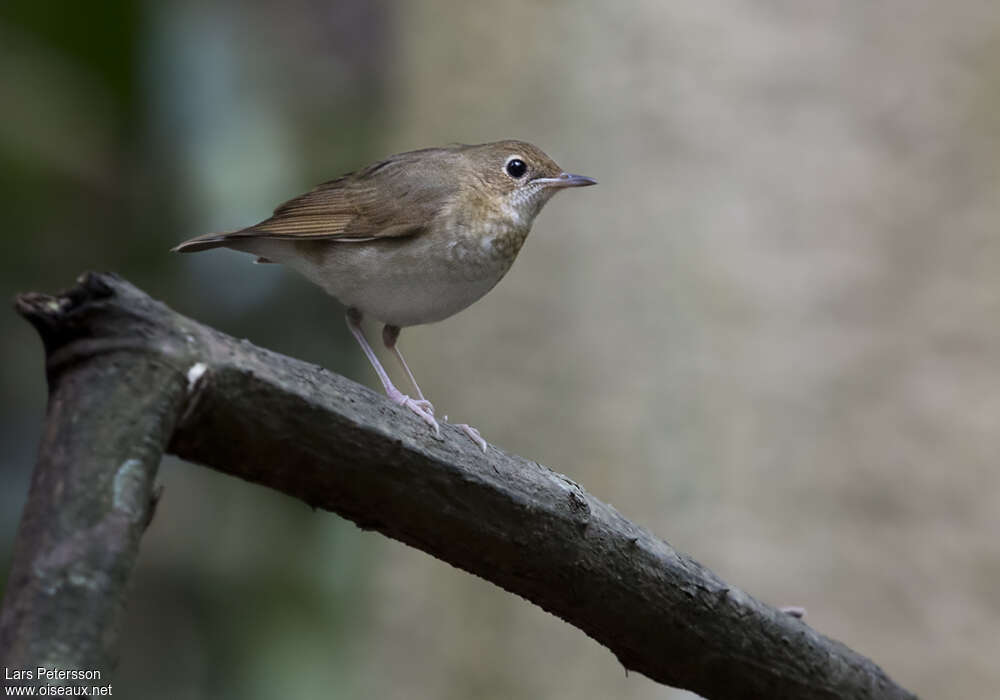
x=384, y=200
x=374, y=203
x=395, y=197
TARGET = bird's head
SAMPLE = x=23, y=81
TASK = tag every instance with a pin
x=518, y=177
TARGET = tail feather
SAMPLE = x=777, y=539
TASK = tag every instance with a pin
x=203, y=242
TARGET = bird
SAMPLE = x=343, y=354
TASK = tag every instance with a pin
x=409, y=240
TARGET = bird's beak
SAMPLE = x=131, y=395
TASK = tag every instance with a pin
x=566, y=180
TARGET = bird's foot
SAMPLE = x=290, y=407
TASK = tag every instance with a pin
x=473, y=435
x=422, y=407
x=422, y=404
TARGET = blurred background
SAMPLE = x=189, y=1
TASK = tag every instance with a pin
x=771, y=335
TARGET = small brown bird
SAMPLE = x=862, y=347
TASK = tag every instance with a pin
x=412, y=239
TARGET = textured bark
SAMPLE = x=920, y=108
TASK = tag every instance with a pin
x=336, y=445
x=112, y=409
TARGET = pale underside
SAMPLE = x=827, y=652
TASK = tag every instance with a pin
x=403, y=281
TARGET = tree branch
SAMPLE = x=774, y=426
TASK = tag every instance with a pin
x=112, y=409
x=336, y=445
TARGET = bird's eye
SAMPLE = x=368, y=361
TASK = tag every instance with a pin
x=516, y=168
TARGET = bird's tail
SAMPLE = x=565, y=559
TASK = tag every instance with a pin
x=204, y=242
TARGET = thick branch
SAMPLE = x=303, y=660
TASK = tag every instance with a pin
x=336, y=445
x=111, y=412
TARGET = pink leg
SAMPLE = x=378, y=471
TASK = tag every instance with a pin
x=390, y=334
x=421, y=407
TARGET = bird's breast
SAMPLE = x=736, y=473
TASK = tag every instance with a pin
x=484, y=248
x=416, y=280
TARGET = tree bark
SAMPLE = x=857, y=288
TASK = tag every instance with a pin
x=112, y=409
x=276, y=421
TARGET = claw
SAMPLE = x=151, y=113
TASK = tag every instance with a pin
x=473, y=435
x=423, y=404
x=422, y=407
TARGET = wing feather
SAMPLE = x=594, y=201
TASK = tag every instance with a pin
x=384, y=200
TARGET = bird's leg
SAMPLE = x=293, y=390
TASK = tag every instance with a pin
x=420, y=407
x=390, y=334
